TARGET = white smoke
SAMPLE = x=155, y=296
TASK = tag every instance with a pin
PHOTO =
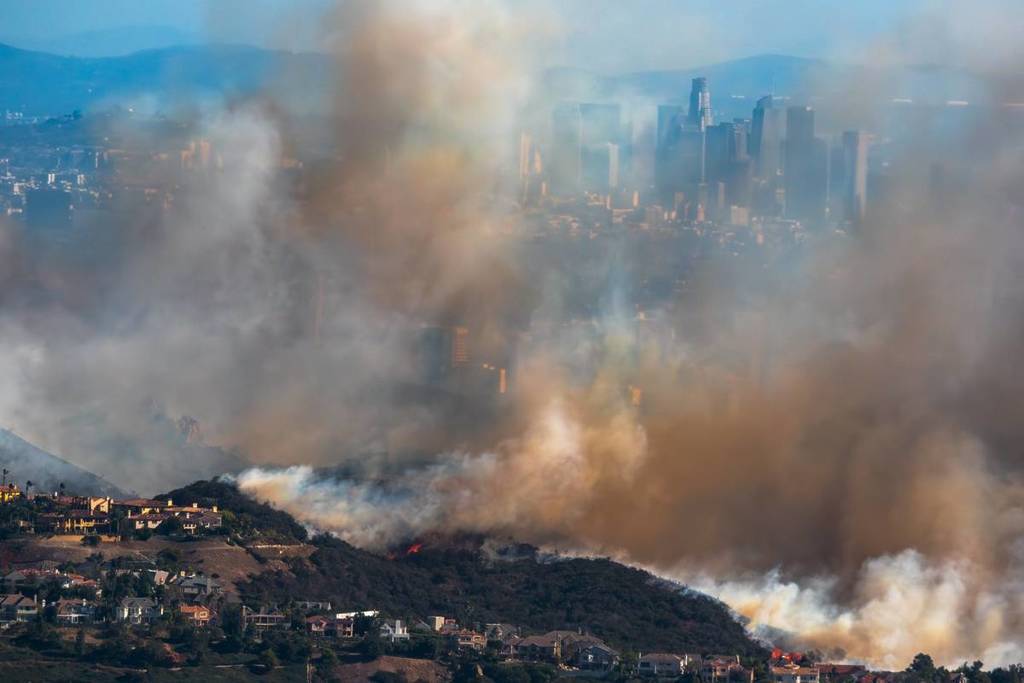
x=901, y=605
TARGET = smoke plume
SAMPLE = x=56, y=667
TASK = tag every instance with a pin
x=827, y=440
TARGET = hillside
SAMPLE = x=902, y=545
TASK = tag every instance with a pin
x=480, y=580
x=26, y=462
x=627, y=607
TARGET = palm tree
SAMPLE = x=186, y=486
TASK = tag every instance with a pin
x=28, y=488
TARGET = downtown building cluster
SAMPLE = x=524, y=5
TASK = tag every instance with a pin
x=775, y=165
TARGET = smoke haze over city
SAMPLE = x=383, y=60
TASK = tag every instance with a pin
x=403, y=298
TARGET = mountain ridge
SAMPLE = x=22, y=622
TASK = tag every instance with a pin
x=27, y=462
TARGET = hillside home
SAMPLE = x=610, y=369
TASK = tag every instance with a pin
x=17, y=607
x=198, y=615
x=394, y=630
x=661, y=664
x=136, y=611
x=595, y=656
x=264, y=619
x=795, y=674
x=75, y=611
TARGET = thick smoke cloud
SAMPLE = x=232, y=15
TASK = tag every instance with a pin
x=828, y=443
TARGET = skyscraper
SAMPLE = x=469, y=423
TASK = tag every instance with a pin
x=671, y=118
x=582, y=135
x=806, y=160
x=768, y=128
x=566, y=161
x=727, y=161
x=700, y=105
x=855, y=169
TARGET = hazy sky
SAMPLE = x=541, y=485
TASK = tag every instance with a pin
x=607, y=34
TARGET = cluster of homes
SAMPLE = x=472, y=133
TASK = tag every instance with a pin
x=192, y=598
x=81, y=515
x=190, y=593
x=784, y=667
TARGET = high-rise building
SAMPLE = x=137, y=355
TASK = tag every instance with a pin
x=767, y=131
x=671, y=119
x=855, y=171
x=601, y=168
x=807, y=172
x=700, y=105
x=727, y=162
x=582, y=134
x=566, y=161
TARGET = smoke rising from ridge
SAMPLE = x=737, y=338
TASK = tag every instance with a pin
x=832, y=438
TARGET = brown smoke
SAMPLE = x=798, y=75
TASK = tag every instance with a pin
x=831, y=439
x=852, y=424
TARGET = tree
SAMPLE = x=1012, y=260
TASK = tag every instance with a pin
x=371, y=646
x=169, y=527
x=80, y=642
x=922, y=668
x=327, y=662
x=267, y=659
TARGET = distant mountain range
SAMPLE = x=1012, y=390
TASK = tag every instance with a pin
x=39, y=83
x=46, y=471
x=111, y=42
x=42, y=84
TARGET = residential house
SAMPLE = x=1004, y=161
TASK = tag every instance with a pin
x=192, y=523
x=721, y=667
x=544, y=648
x=17, y=607
x=839, y=673
x=393, y=630
x=141, y=506
x=318, y=625
x=197, y=587
x=557, y=647
x=445, y=625
x=137, y=611
x=465, y=639
x=343, y=628
x=27, y=578
x=661, y=664
x=148, y=521
x=368, y=613
x=323, y=605
x=199, y=615
x=9, y=493
x=89, y=503
x=793, y=673
x=263, y=619
x=158, y=576
x=75, y=522
x=76, y=611
x=595, y=656
x=500, y=631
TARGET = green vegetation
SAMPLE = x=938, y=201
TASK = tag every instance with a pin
x=628, y=608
